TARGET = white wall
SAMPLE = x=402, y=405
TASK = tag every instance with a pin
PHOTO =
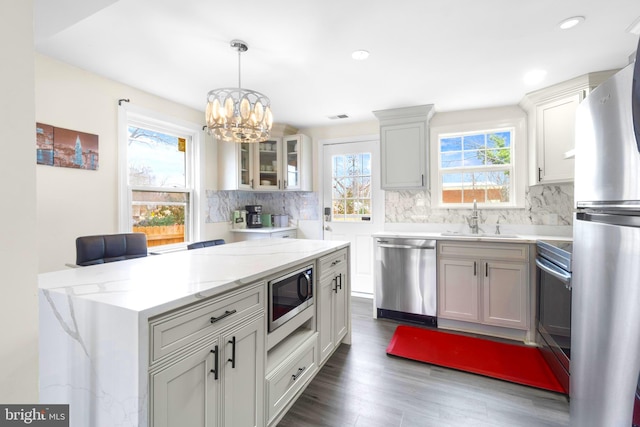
x=18, y=257
x=75, y=202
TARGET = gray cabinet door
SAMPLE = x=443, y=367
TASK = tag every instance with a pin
x=505, y=294
x=458, y=289
x=403, y=155
x=325, y=318
x=243, y=375
x=186, y=393
x=340, y=313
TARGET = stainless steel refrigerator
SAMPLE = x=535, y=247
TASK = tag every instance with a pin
x=605, y=335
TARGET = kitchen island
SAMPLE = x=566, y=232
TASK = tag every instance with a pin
x=110, y=333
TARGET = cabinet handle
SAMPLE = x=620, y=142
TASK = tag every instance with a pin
x=340, y=276
x=297, y=375
x=422, y=179
x=215, y=363
x=233, y=352
x=284, y=184
x=336, y=262
x=486, y=269
x=474, y=269
x=227, y=313
x=539, y=174
x=278, y=184
x=251, y=184
x=335, y=288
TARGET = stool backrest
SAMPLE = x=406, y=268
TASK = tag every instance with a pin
x=91, y=250
x=204, y=244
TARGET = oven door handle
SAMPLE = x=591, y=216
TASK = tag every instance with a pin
x=556, y=272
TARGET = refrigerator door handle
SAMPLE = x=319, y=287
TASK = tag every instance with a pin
x=606, y=218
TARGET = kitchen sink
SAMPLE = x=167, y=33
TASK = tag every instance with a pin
x=480, y=235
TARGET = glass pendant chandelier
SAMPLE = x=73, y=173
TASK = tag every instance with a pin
x=236, y=114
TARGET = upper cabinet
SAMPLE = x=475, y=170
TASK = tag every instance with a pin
x=404, y=146
x=235, y=166
x=551, y=119
x=284, y=164
x=278, y=164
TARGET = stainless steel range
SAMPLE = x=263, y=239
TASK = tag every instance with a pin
x=554, y=306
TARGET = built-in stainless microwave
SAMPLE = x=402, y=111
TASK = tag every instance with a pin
x=289, y=295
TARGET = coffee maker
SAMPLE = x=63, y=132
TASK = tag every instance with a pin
x=254, y=219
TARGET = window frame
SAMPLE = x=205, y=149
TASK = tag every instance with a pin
x=355, y=218
x=130, y=115
x=469, y=122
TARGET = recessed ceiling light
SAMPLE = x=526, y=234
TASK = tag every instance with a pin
x=534, y=77
x=360, y=55
x=571, y=22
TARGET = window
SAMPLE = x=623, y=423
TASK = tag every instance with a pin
x=476, y=166
x=158, y=178
x=351, y=187
x=479, y=155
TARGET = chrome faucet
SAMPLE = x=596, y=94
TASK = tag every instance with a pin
x=473, y=219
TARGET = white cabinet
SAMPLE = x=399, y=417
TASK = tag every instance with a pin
x=333, y=306
x=551, y=119
x=484, y=283
x=556, y=137
x=404, y=147
x=264, y=233
x=284, y=164
x=278, y=164
x=220, y=381
x=505, y=294
x=267, y=169
x=285, y=380
x=186, y=393
x=235, y=166
x=458, y=289
x=242, y=374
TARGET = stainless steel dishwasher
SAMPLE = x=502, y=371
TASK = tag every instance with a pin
x=405, y=279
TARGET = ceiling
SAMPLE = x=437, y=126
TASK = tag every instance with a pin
x=456, y=54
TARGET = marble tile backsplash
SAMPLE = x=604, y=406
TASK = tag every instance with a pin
x=299, y=205
x=544, y=205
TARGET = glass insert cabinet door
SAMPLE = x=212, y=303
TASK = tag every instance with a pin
x=268, y=165
x=245, y=165
x=292, y=148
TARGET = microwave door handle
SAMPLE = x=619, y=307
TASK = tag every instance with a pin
x=308, y=280
x=547, y=267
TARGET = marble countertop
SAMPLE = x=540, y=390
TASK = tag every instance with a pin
x=263, y=230
x=466, y=237
x=158, y=283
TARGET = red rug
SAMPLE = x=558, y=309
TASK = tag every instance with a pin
x=509, y=362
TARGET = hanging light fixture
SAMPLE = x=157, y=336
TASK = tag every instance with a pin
x=236, y=114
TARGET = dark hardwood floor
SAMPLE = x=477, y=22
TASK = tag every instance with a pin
x=361, y=386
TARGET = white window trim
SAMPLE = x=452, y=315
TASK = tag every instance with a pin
x=195, y=164
x=518, y=153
